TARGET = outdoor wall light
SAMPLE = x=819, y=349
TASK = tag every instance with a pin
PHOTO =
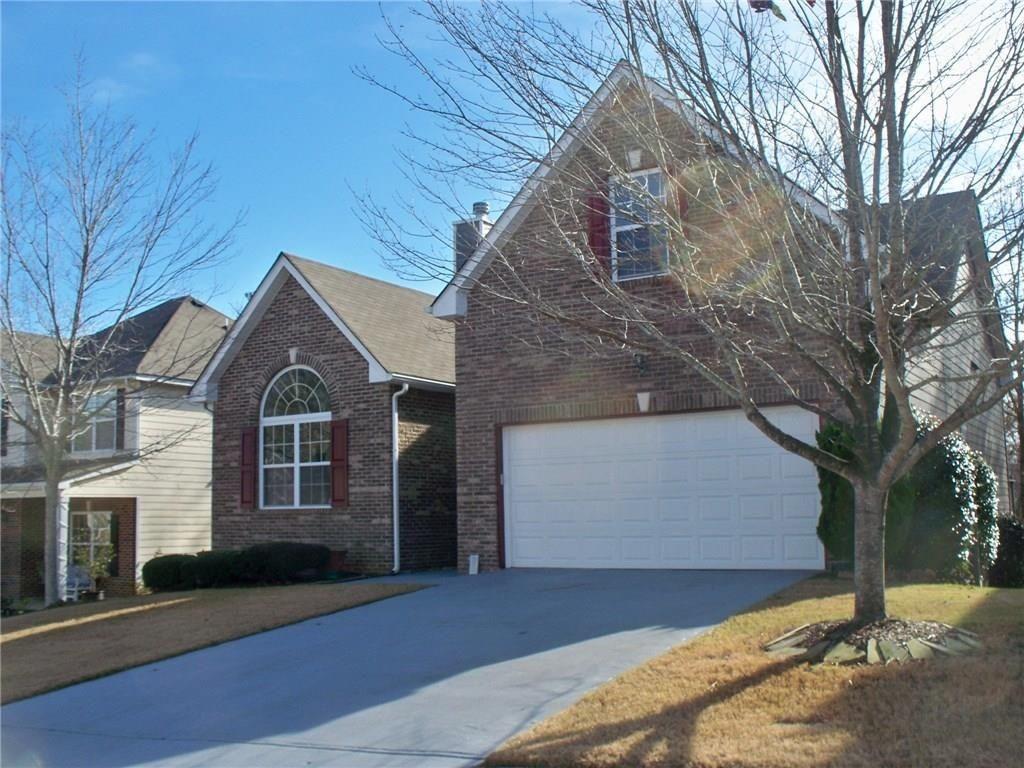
x=643, y=401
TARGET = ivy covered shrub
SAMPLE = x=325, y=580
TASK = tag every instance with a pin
x=941, y=517
x=1008, y=568
x=170, y=573
x=986, y=496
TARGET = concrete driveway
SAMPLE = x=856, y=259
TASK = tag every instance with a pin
x=435, y=678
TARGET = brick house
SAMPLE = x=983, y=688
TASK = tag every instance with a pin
x=332, y=391
x=138, y=477
x=625, y=461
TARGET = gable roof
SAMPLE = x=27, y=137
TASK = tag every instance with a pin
x=387, y=324
x=391, y=320
x=451, y=302
x=173, y=341
x=940, y=231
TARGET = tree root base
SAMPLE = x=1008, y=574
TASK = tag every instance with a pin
x=880, y=642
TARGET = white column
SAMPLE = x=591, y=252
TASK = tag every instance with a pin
x=63, y=537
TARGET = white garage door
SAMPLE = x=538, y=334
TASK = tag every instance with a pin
x=704, y=490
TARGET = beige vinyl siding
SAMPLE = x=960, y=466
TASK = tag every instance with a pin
x=948, y=357
x=18, y=449
x=171, y=480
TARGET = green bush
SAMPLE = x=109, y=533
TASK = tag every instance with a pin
x=218, y=568
x=1008, y=568
x=986, y=496
x=282, y=561
x=940, y=517
x=170, y=572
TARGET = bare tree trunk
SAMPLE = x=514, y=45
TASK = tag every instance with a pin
x=869, y=553
x=55, y=546
x=1017, y=502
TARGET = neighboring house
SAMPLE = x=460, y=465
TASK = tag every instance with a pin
x=331, y=389
x=573, y=460
x=138, y=479
x=946, y=231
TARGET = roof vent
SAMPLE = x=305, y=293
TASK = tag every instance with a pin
x=481, y=209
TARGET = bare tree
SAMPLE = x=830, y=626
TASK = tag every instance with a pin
x=798, y=158
x=1007, y=244
x=95, y=229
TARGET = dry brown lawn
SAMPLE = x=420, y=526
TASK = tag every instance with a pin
x=57, y=647
x=720, y=701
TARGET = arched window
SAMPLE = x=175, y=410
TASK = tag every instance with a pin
x=295, y=445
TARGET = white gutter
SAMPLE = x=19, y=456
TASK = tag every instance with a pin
x=394, y=476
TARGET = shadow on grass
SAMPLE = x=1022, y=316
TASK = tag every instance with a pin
x=644, y=734
x=945, y=711
x=966, y=710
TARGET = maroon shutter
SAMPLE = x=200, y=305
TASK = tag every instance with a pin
x=119, y=424
x=598, y=226
x=339, y=463
x=247, y=464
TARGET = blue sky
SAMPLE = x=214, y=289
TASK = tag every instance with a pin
x=270, y=90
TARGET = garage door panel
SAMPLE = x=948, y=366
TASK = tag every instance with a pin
x=677, y=551
x=758, y=507
x=675, y=509
x=801, y=506
x=717, y=549
x=755, y=467
x=683, y=491
x=801, y=549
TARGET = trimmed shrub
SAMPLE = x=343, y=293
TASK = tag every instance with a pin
x=170, y=572
x=1008, y=568
x=282, y=561
x=218, y=568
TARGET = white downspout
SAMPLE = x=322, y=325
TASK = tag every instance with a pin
x=394, y=476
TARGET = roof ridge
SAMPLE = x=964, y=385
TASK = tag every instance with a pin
x=294, y=256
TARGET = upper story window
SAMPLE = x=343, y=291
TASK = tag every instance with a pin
x=101, y=432
x=295, y=445
x=639, y=237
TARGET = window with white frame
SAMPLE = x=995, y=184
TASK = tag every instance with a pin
x=295, y=441
x=90, y=538
x=639, y=235
x=101, y=432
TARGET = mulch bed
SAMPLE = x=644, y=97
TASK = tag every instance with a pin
x=881, y=642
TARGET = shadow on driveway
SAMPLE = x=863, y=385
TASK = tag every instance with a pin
x=438, y=677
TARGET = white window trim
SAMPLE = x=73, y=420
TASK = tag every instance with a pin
x=295, y=464
x=95, y=420
x=614, y=230
x=92, y=544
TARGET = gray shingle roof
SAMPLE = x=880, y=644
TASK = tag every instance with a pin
x=939, y=231
x=391, y=321
x=174, y=339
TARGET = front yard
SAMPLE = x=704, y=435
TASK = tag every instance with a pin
x=720, y=701
x=57, y=647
